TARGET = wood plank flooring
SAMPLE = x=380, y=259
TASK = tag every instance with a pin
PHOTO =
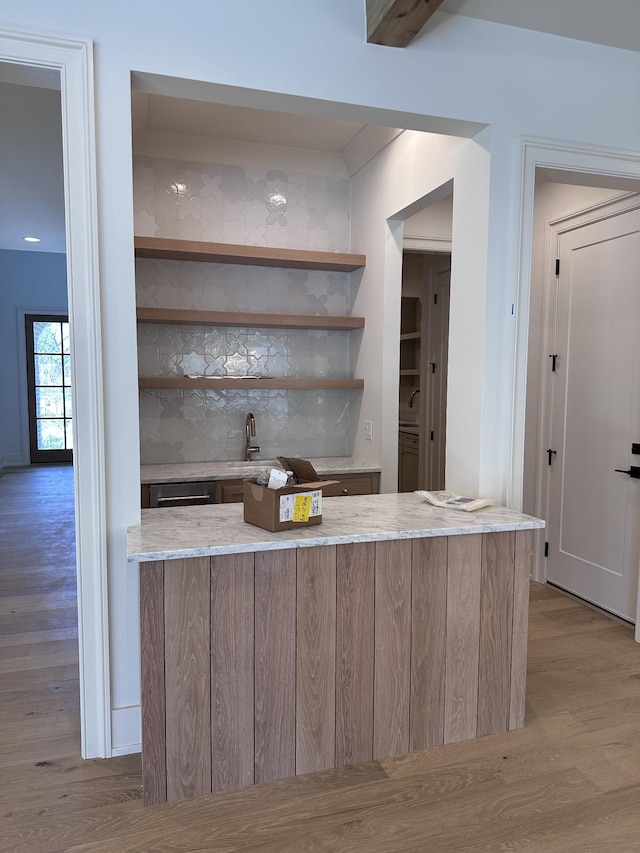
x=569, y=782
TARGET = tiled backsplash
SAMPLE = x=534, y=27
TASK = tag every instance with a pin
x=229, y=204
x=204, y=426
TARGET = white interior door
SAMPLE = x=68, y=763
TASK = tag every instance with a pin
x=594, y=511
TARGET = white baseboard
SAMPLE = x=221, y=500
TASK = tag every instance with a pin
x=126, y=750
x=126, y=730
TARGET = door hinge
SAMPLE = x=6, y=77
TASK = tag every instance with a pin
x=554, y=361
x=546, y=549
x=557, y=266
x=551, y=453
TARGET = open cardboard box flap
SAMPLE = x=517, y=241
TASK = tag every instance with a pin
x=304, y=472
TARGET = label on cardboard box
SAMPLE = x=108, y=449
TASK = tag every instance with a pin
x=300, y=506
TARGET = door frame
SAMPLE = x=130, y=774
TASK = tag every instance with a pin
x=73, y=58
x=602, y=167
x=554, y=231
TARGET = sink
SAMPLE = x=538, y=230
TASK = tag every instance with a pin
x=254, y=464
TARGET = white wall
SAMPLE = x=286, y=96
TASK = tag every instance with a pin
x=302, y=55
x=413, y=167
x=30, y=282
x=432, y=223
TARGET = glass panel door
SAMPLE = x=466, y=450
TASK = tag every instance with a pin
x=49, y=384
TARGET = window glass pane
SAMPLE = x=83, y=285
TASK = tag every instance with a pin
x=50, y=435
x=49, y=403
x=49, y=384
x=47, y=337
x=48, y=369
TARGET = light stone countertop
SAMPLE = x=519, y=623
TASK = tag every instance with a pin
x=198, y=531
x=191, y=472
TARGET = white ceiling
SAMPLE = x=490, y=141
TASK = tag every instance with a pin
x=261, y=126
x=615, y=23
x=31, y=197
x=31, y=178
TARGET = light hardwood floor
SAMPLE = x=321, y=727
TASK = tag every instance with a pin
x=568, y=782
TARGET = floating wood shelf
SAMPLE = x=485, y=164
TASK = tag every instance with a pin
x=182, y=316
x=229, y=253
x=225, y=383
x=410, y=336
x=409, y=373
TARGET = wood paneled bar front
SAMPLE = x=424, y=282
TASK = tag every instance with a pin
x=278, y=654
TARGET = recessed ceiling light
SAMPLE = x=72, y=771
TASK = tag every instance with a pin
x=32, y=239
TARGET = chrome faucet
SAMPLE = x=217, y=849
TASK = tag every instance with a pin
x=249, y=430
x=413, y=394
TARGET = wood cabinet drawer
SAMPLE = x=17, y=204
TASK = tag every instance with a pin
x=409, y=440
x=229, y=491
x=364, y=484
x=232, y=491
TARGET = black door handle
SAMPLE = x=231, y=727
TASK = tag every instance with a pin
x=633, y=472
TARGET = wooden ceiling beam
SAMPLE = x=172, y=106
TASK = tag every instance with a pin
x=396, y=23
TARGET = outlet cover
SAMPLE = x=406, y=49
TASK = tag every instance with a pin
x=368, y=430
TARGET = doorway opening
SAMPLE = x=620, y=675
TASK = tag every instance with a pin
x=424, y=348
x=590, y=547
x=37, y=57
x=424, y=344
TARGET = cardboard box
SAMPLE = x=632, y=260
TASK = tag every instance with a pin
x=278, y=509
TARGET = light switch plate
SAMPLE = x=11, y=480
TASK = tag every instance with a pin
x=368, y=430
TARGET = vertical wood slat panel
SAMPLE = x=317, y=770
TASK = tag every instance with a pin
x=316, y=659
x=154, y=757
x=494, y=687
x=392, y=645
x=464, y=573
x=428, y=633
x=188, y=677
x=275, y=685
x=522, y=570
x=354, y=653
x=232, y=671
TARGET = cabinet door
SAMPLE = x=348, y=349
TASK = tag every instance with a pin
x=408, y=462
x=409, y=469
